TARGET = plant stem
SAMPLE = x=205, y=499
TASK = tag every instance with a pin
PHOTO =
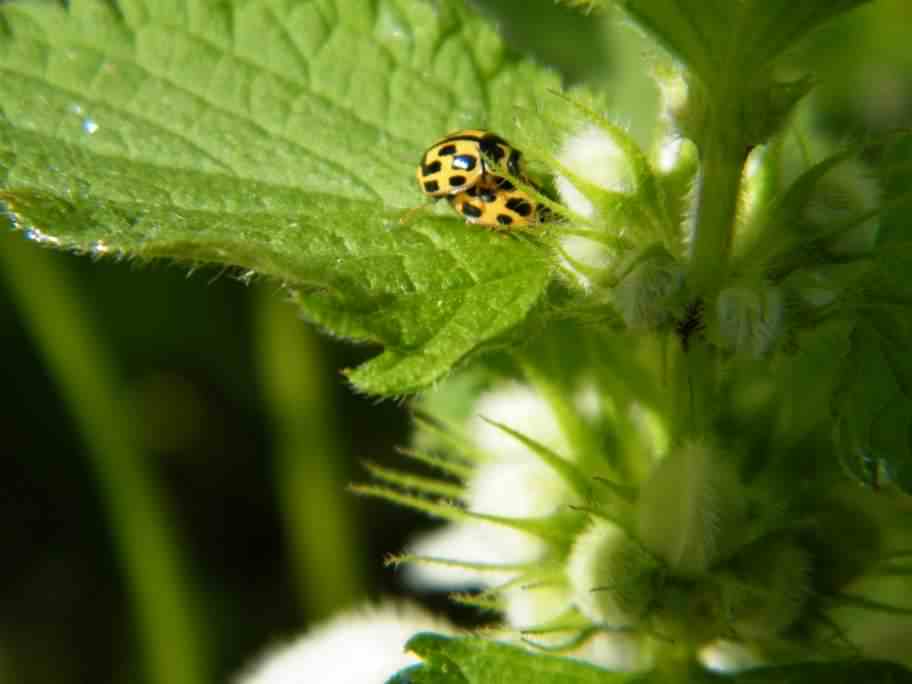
x=51, y=306
x=694, y=382
x=317, y=509
x=722, y=158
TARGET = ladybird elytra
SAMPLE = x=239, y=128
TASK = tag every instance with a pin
x=497, y=203
x=461, y=159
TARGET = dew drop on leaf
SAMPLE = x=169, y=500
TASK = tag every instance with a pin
x=41, y=238
x=390, y=27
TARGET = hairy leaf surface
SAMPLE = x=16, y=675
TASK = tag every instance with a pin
x=279, y=136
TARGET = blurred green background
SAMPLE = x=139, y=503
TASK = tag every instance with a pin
x=206, y=390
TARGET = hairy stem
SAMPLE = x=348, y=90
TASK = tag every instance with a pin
x=694, y=381
x=722, y=158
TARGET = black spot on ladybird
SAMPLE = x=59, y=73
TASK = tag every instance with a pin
x=504, y=220
x=473, y=191
x=471, y=211
x=464, y=162
x=446, y=151
x=431, y=186
x=488, y=196
x=519, y=205
x=456, y=181
x=433, y=167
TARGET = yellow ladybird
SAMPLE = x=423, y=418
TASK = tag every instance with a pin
x=460, y=160
x=496, y=203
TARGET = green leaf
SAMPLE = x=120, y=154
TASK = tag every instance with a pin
x=277, y=136
x=420, y=290
x=896, y=180
x=873, y=407
x=673, y=24
x=576, y=43
x=471, y=660
x=808, y=379
x=839, y=672
x=419, y=674
x=461, y=303
x=717, y=39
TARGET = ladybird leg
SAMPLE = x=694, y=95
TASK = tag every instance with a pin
x=409, y=215
x=500, y=231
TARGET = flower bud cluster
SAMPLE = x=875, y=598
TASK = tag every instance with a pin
x=688, y=553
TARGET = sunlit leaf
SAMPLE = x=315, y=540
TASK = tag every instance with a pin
x=280, y=137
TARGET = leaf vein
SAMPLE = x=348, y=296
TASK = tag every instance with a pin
x=348, y=173
x=137, y=117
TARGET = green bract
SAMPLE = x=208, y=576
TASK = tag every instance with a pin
x=476, y=661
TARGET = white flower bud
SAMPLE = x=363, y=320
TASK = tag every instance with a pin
x=749, y=320
x=647, y=296
x=514, y=483
x=364, y=646
x=595, y=157
x=690, y=508
x=518, y=407
x=612, y=577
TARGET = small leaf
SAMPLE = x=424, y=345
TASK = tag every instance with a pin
x=776, y=25
x=278, y=137
x=689, y=507
x=479, y=661
x=420, y=674
x=471, y=660
x=448, y=320
x=676, y=26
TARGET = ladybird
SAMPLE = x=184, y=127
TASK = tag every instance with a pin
x=496, y=203
x=460, y=160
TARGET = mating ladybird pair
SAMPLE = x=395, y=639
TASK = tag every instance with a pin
x=458, y=167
